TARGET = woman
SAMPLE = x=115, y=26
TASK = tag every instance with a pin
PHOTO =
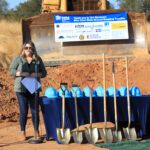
x=24, y=66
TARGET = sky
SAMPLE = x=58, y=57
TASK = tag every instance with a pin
x=14, y=3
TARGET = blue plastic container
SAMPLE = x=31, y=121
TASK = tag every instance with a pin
x=67, y=93
x=135, y=91
x=86, y=92
x=78, y=92
x=51, y=92
x=110, y=91
x=123, y=91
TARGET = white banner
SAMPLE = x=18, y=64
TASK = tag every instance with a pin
x=89, y=27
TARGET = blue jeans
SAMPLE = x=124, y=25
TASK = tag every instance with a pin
x=25, y=100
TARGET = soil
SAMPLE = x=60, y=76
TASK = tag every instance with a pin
x=79, y=73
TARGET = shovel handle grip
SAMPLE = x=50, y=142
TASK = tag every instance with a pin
x=113, y=67
x=63, y=84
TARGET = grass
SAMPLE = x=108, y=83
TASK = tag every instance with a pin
x=10, y=41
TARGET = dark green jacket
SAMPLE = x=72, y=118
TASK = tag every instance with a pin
x=21, y=64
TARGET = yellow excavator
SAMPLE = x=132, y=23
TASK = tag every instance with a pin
x=44, y=30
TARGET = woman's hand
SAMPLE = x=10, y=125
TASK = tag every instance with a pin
x=23, y=74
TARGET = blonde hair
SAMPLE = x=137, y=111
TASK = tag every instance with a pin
x=33, y=49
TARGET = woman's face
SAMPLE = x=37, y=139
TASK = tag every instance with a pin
x=28, y=50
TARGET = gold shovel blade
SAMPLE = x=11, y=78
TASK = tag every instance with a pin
x=126, y=133
x=106, y=135
x=117, y=136
x=130, y=133
x=77, y=137
x=91, y=135
x=63, y=136
x=133, y=134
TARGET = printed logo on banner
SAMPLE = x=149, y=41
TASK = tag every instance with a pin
x=106, y=24
x=58, y=17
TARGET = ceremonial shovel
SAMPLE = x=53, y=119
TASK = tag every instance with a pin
x=106, y=134
x=63, y=134
x=77, y=136
x=129, y=133
x=91, y=133
x=116, y=134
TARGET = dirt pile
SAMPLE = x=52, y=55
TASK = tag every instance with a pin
x=139, y=71
x=8, y=101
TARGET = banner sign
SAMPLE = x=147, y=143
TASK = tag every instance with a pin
x=89, y=27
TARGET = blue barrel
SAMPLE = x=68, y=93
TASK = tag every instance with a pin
x=51, y=92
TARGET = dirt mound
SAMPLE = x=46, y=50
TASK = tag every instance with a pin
x=139, y=70
x=8, y=101
x=79, y=73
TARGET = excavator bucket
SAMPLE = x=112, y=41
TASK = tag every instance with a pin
x=40, y=29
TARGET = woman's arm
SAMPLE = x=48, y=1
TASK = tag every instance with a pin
x=13, y=66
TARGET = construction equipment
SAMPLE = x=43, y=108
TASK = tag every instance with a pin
x=40, y=29
x=105, y=133
x=63, y=134
x=117, y=136
x=53, y=6
x=77, y=136
x=91, y=133
x=129, y=132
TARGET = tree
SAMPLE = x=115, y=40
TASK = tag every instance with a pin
x=28, y=9
x=136, y=5
x=146, y=6
x=3, y=7
x=130, y=5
